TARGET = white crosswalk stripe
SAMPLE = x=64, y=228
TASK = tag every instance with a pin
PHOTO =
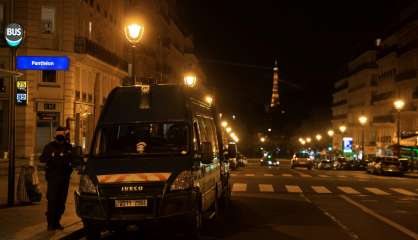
x=286, y=175
x=341, y=176
x=323, y=176
x=349, y=190
x=234, y=174
x=376, y=191
x=239, y=187
x=268, y=175
x=265, y=188
x=250, y=175
x=305, y=175
x=320, y=189
x=404, y=192
x=293, y=189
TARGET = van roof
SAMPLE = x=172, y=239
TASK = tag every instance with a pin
x=138, y=104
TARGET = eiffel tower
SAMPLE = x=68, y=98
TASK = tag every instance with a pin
x=275, y=93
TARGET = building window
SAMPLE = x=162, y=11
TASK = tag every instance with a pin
x=1, y=17
x=77, y=95
x=49, y=76
x=90, y=28
x=84, y=99
x=90, y=98
x=2, y=85
x=48, y=20
x=91, y=3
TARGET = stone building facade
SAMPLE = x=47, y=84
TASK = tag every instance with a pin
x=90, y=34
x=373, y=81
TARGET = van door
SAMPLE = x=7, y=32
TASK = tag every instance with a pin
x=210, y=184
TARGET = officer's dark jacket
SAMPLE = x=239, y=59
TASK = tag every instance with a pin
x=58, y=158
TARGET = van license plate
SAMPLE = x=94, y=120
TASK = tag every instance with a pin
x=131, y=203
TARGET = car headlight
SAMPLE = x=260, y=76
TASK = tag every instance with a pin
x=87, y=185
x=183, y=181
x=269, y=162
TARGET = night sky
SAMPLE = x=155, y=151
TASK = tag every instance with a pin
x=237, y=43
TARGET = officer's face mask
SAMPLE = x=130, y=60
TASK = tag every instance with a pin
x=60, y=138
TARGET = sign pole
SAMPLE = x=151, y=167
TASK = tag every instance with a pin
x=12, y=159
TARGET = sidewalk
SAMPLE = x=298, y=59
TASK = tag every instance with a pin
x=29, y=222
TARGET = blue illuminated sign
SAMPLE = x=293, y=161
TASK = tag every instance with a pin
x=347, y=145
x=42, y=63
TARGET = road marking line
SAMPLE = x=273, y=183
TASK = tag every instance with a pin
x=239, y=187
x=250, y=175
x=305, y=175
x=349, y=190
x=286, y=175
x=234, y=174
x=268, y=175
x=322, y=175
x=376, y=191
x=341, y=176
x=293, y=189
x=361, y=176
x=320, y=189
x=265, y=188
x=404, y=192
x=389, y=222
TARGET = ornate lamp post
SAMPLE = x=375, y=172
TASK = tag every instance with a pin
x=399, y=104
x=133, y=33
x=363, y=120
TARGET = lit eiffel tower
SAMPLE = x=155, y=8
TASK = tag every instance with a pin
x=275, y=93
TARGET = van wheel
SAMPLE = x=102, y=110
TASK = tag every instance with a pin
x=92, y=230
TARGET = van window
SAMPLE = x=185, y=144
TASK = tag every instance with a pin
x=143, y=138
x=208, y=132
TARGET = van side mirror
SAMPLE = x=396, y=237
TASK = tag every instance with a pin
x=77, y=156
x=206, y=152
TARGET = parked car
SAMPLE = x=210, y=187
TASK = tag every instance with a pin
x=241, y=160
x=341, y=164
x=301, y=159
x=384, y=165
x=325, y=164
x=233, y=156
x=358, y=165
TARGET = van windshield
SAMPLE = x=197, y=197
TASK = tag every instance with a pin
x=142, y=139
x=302, y=155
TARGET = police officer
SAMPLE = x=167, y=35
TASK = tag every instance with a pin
x=58, y=156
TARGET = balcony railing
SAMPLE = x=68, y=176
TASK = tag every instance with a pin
x=382, y=96
x=361, y=67
x=342, y=87
x=86, y=46
x=415, y=94
x=340, y=103
x=412, y=74
x=352, y=89
x=382, y=53
x=384, y=119
x=339, y=117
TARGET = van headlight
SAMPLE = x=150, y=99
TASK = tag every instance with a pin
x=87, y=185
x=183, y=181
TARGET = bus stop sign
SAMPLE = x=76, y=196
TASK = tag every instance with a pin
x=14, y=34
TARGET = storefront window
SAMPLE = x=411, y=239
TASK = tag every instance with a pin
x=49, y=76
x=48, y=20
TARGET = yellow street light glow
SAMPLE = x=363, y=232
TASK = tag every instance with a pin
x=318, y=137
x=362, y=120
x=301, y=140
x=224, y=124
x=190, y=80
x=308, y=140
x=228, y=129
x=269, y=129
x=209, y=99
x=399, y=104
x=262, y=139
x=134, y=32
x=330, y=133
x=342, y=128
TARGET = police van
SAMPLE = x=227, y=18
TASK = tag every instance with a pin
x=156, y=154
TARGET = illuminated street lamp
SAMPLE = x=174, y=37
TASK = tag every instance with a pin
x=224, y=124
x=399, y=104
x=209, y=100
x=342, y=129
x=318, y=137
x=228, y=129
x=331, y=133
x=133, y=33
x=308, y=139
x=190, y=79
x=362, y=120
x=262, y=139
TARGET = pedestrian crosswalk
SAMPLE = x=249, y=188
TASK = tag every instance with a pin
x=360, y=177
x=318, y=189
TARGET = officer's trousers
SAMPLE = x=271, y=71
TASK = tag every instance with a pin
x=57, y=196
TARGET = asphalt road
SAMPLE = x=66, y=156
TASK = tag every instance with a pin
x=282, y=203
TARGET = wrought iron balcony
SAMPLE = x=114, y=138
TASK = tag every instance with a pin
x=340, y=103
x=384, y=119
x=339, y=117
x=382, y=96
x=412, y=74
x=86, y=46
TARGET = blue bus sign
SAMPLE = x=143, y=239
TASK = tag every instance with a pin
x=347, y=145
x=42, y=63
